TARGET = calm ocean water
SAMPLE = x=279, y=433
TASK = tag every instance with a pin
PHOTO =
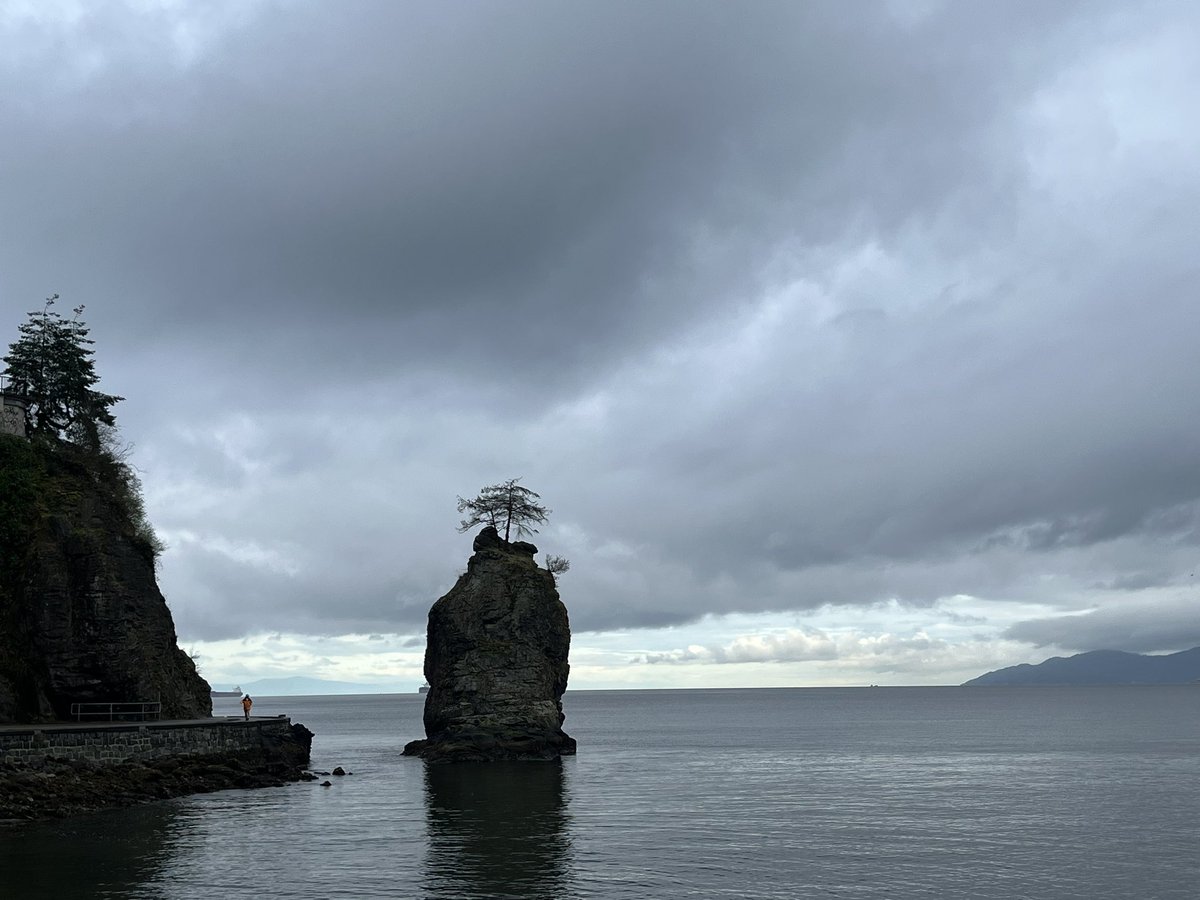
x=789, y=793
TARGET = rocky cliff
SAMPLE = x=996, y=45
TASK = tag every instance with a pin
x=81, y=616
x=496, y=661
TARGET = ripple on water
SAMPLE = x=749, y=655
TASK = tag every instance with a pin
x=770, y=794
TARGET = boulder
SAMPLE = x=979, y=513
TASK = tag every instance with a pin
x=496, y=661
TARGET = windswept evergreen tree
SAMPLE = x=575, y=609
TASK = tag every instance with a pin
x=506, y=506
x=50, y=365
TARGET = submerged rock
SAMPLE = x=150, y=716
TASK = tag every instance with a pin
x=496, y=661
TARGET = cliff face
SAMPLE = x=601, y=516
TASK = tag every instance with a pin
x=81, y=616
x=496, y=661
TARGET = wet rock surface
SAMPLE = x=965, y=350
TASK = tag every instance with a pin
x=496, y=661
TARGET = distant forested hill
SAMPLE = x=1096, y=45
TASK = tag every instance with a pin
x=1101, y=667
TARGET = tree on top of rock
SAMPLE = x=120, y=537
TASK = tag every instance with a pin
x=50, y=366
x=506, y=507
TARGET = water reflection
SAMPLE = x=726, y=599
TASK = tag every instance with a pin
x=108, y=854
x=497, y=830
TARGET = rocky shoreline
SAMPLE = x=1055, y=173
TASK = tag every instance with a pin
x=55, y=787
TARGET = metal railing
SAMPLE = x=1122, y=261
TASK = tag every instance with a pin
x=116, y=712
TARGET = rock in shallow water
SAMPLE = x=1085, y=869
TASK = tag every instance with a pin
x=496, y=661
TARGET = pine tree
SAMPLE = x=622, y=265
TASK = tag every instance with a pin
x=50, y=365
x=507, y=505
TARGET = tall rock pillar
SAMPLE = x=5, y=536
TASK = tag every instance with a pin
x=496, y=661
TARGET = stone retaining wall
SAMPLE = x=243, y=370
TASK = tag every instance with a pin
x=136, y=740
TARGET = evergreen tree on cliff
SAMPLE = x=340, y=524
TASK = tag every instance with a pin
x=50, y=365
x=504, y=506
x=81, y=616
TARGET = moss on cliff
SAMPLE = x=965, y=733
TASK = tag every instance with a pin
x=22, y=478
x=22, y=475
x=81, y=614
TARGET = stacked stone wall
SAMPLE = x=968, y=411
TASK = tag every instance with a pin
x=24, y=746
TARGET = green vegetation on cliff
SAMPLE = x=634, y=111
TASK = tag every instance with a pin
x=73, y=437
x=22, y=476
x=81, y=616
x=44, y=479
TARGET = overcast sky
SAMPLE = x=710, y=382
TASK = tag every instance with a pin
x=848, y=343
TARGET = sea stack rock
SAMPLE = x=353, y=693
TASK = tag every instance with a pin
x=496, y=661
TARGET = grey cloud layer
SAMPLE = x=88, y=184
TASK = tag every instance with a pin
x=431, y=182
x=778, y=305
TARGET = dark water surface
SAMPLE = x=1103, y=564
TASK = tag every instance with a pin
x=852, y=793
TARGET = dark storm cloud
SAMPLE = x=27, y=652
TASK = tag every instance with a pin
x=345, y=187
x=778, y=304
x=1164, y=625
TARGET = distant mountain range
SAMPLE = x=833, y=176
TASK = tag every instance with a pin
x=1101, y=667
x=299, y=685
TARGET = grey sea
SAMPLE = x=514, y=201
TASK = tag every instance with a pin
x=786, y=793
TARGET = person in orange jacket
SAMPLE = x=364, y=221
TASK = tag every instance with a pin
x=246, y=704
